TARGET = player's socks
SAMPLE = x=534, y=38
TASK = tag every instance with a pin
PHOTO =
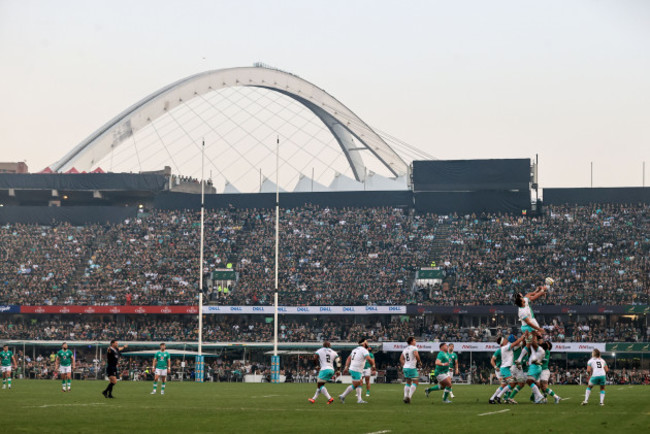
x=445, y=394
x=407, y=390
x=514, y=392
x=587, y=393
x=316, y=394
x=536, y=392
x=496, y=393
x=413, y=388
x=4, y=383
x=602, y=396
x=9, y=382
x=63, y=384
x=162, y=389
x=69, y=383
x=155, y=386
x=347, y=391
x=359, y=390
x=504, y=392
x=434, y=388
x=325, y=393
x=550, y=392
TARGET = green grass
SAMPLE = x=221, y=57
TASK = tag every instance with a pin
x=40, y=406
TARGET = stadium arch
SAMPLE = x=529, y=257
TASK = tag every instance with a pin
x=352, y=134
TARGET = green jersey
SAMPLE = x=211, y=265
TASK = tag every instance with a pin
x=65, y=357
x=547, y=358
x=497, y=357
x=452, y=361
x=162, y=359
x=6, y=356
x=367, y=365
x=444, y=358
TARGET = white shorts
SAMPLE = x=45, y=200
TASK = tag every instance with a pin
x=161, y=372
x=546, y=375
x=497, y=372
x=367, y=372
x=5, y=369
x=442, y=377
x=65, y=369
x=518, y=374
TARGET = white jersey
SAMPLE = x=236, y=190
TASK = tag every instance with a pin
x=326, y=358
x=536, y=356
x=526, y=312
x=597, y=367
x=410, y=362
x=507, y=355
x=358, y=359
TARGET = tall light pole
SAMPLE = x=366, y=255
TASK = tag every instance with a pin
x=275, y=362
x=199, y=360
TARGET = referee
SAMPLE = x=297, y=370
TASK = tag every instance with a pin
x=112, y=358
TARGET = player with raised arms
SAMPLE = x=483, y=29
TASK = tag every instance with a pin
x=546, y=373
x=65, y=362
x=354, y=365
x=325, y=359
x=410, y=360
x=7, y=361
x=535, y=361
x=161, y=364
x=525, y=313
x=508, y=381
x=597, y=369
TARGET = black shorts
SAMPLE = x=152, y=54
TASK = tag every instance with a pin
x=111, y=371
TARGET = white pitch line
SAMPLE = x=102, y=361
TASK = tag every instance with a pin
x=494, y=412
x=380, y=432
x=564, y=399
x=65, y=405
x=267, y=396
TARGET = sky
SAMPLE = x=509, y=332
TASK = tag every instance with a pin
x=568, y=80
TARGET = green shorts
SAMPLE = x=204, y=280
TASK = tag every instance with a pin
x=534, y=371
x=326, y=374
x=410, y=373
x=356, y=376
x=598, y=381
x=505, y=372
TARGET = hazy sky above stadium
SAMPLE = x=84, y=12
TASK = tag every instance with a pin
x=569, y=80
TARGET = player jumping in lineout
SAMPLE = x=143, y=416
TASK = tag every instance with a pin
x=325, y=358
x=161, y=365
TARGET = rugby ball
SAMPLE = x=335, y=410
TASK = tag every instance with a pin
x=549, y=281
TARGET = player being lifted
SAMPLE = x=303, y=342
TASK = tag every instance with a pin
x=410, y=361
x=325, y=359
x=354, y=364
x=7, y=361
x=65, y=362
x=367, y=372
x=442, y=374
x=526, y=315
x=597, y=369
x=161, y=365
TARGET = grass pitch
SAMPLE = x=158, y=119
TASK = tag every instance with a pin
x=40, y=406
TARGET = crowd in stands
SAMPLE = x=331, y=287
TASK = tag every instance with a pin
x=597, y=254
x=255, y=329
